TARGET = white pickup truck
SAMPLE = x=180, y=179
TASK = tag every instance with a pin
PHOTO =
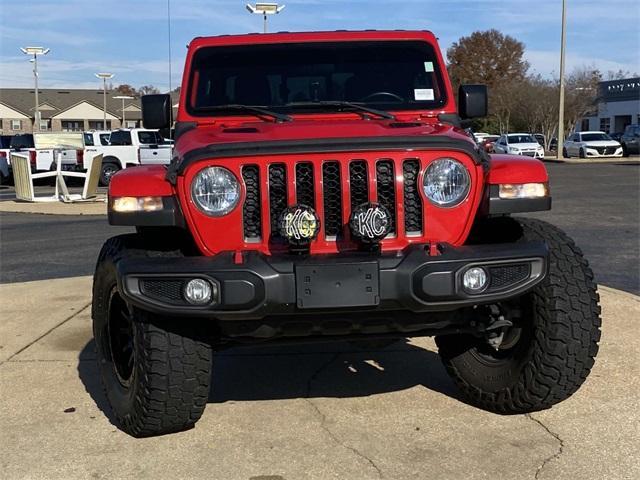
x=126, y=148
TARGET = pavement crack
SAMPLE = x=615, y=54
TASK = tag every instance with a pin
x=323, y=417
x=556, y=436
x=77, y=312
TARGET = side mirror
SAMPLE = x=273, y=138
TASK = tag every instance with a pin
x=156, y=111
x=472, y=101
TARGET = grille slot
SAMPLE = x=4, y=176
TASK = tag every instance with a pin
x=332, y=193
x=507, y=275
x=251, y=215
x=359, y=183
x=304, y=184
x=386, y=189
x=412, y=199
x=277, y=195
x=164, y=290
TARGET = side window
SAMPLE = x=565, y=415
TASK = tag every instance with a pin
x=104, y=138
x=120, y=137
x=88, y=140
x=149, y=138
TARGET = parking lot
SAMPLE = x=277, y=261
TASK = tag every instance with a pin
x=322, y=411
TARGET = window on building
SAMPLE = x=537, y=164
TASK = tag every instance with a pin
x=605, y=124
x=72, y=125
x=585, y=125
x=44, y=125
x=98, y=125
x=131, y=124
x=16, y=125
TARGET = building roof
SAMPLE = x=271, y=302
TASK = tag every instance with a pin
x=61, y=99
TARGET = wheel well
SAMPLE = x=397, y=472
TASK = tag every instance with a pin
x=111, y=159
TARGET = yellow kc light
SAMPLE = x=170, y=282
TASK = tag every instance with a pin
x=299, y=224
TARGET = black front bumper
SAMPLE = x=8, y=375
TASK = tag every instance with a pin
x=254, y=286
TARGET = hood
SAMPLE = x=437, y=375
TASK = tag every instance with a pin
x=526, y=146
x=601, y=143
x=250, y=132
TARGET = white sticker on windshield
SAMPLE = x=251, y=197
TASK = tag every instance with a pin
x=423, y=93
x=428, y=67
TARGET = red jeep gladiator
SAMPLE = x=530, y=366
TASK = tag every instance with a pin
x=322, y=188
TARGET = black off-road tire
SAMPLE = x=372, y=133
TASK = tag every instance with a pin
x=558, y=343
x=167, y=386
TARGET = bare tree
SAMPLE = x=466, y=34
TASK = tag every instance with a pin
x=148, y=89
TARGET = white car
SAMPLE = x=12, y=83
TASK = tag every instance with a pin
x=519, y=144
x=125, y=148
x=591, y=144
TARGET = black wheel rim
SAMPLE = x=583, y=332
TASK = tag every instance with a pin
x=121, y=336
x=108, y=171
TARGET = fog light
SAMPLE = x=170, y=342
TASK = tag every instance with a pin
x=198, y=291
x=474, y=280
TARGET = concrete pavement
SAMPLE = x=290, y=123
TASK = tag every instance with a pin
x=304, y=412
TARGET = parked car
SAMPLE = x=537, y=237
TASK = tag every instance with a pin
x=480, y=136
x=519, y=144
x=591, y=144
x=630, y=140
x=126, y=148
x=290, y=223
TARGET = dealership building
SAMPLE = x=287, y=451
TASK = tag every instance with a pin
x=617, y=105
x=65, y=110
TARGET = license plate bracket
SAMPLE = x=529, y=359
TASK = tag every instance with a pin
x=337, y=285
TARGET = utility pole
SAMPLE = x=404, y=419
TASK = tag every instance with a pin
x=563, y=43
x=35, y=51
x=123, y=98
x=104, y=76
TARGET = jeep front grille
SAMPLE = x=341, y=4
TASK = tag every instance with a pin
x=333, y=189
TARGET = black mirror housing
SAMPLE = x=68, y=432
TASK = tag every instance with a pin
x=156, y=111
x=472, y=101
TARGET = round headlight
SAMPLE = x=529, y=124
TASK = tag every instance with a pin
x=446, y=182
x=215, y=191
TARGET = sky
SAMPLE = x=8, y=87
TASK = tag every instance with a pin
x=131, y=37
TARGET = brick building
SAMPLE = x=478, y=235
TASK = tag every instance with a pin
x=64, y=110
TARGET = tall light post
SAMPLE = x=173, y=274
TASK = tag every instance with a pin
x=563, y=43
x=104, y=76
x=123, y=98
x=35, y=51
x=264, y=9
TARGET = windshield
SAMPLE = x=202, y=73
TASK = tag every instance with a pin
x=522, y=139
x=383, y=75
x=590, y=137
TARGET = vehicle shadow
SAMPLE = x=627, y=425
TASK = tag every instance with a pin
x=333, y=370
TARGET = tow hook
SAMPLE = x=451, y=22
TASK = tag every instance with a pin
x=494, y=332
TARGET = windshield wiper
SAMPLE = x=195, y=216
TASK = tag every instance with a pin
x=343, y=104
x=257, y=111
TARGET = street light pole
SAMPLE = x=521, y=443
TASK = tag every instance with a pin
x=563, y=43
x=123, y=98
x=35, y=51
x=104, y=76
x=264, y=9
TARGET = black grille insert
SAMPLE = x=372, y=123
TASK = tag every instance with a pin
x=504, y=276
x=412, y=198
x=332, y=193
x=387, y=190
x=251, y=215
x=359, y=182
x=165, y=290
x=277, y=195
x=304, y=184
